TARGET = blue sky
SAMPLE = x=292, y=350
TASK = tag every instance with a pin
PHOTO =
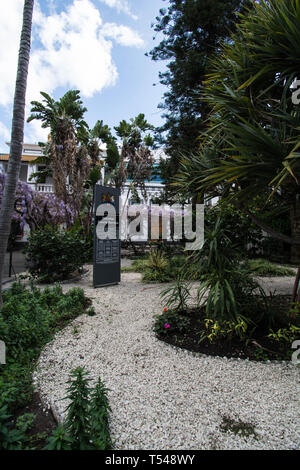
x=96, y=46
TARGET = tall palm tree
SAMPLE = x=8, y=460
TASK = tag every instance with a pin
x=17, y=134
x=65, y=159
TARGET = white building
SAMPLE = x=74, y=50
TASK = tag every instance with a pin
x=32, y=151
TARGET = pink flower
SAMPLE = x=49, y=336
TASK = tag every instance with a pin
x=167, y=325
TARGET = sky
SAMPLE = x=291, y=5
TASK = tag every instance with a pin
x=95, y=46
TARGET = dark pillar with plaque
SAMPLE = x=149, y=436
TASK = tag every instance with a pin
x=107, y=248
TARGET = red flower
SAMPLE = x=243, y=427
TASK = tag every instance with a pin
x=165, y=309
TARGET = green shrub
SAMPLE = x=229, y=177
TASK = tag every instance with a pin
x=177, y=296
x=170, y=322
x=225, y=330
x=77, y=421
x=157, y=267
x=28, y=320
x=59, y=440
x=286, y=335
x=11, y=438
x=54, y=253
x=226, y=287
x=243, y=232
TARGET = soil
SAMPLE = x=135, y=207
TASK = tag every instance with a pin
x=258, y=348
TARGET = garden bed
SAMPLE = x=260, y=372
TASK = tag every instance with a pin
x=29, y=320
x=188, y=329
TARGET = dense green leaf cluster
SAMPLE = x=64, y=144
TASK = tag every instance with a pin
x=192, y=31
x=28, y=320
x=86, y=426
x=55, y=253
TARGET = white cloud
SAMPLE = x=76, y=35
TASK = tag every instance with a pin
x=120, y=5
x=72, y=49
x=122, y=35
x=74, y=53
x=4, y=132
x=10, y=27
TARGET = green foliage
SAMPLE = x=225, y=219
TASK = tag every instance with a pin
x=99, y=418
x=11, y=438
x=177, y=295
x=50, y=112
x=157, y=267
x=59, y=440
x=134, y=161
x=191, y=31
x=287, y=335
x=113, y=156
x=225, y=330
x=226, y=289
x=77, y=421
x=86, y=426
x=54, y=253
x=28, y=320
x=91, y=312
x=263, y=267
x=243, y=232
x=170, y=322
x=156, y=261
x=250, y=150
x=94, y=177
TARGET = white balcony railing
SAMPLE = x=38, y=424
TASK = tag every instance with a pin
x=42, y=187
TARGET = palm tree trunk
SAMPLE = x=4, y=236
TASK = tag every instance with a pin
x=17, y=135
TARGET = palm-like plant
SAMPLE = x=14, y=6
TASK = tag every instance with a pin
x=57, y=115
x=17, y=135
x=67, y=159
x=135, y=159
x=252, y=145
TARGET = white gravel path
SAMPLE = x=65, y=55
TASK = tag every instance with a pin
x=163, y=397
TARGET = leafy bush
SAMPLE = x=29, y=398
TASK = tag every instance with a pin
x=216, y=331
x=170, y=322
x=28, y=320
x=226, y=288
x=54, y=254
x=287, y=335
x=230, y=303
x=11, y=438
x=243, y=233
x=86, y=426
x=177, y=295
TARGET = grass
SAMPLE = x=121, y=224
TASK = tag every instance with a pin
x=263, y=267
x=238, y=427
x=138, y=266
x=157, y=267
x=166, y=270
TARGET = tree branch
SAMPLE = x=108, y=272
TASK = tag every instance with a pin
x=270, y=231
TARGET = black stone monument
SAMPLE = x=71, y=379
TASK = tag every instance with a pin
x=107, y=250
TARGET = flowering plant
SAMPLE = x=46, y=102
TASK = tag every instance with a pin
x=37, y=209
